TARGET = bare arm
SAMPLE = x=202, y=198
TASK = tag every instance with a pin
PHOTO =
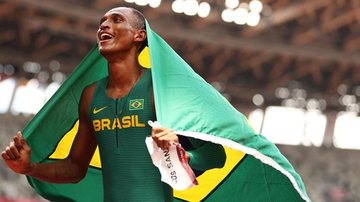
x=69, y=170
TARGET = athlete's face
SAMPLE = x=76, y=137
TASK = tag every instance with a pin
x=116, y=33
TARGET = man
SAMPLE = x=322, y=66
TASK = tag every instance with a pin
x=106, y=120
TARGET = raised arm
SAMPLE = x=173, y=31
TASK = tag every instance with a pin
x=69, y=170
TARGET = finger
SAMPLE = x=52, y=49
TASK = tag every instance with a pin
x=5, y=156
x=9, y=153
x=159, y=130
x=164, y=145
x=163, y=137
x=163, y=132
x=167, y=142
x=17, y=141
x=160, y=143
x=14, y=150
x=25, y=145
x=20, y=142
x=21, y=138
x=155, y=131
x=170, y=137
x=23, y=142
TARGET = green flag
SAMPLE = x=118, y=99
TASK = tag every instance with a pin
x=192, y=107
x=56, y=122
x=254, y=170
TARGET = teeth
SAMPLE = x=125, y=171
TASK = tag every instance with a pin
x=105, y=36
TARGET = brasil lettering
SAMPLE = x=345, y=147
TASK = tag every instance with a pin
x=117, y=123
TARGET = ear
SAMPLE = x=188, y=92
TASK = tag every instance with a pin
x=140, y=35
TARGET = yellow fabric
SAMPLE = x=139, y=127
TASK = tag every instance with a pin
x=207, y=181
x=211, y=178
x=63, y=148
x=144, y=58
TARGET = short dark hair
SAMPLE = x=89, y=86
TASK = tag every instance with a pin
x=139, y=20
x=139, y=23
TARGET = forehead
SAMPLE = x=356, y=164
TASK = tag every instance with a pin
x=126, y=12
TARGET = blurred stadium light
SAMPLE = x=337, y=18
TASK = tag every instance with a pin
x=302, y=121
x=346, y=131
x=233, y=11
x=299, y=121
x=284, y=125
x=28, y=98
x=7, y=88
x=26, y=94
x=289, y=125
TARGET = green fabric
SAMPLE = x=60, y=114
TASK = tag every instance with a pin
x=184, y=102
x=52, y=122
x=128, y=172
x=206, y=156
x=188, y=103
x=247, y=183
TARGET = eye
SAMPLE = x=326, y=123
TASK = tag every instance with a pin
x=117, y=19
x=101, y=21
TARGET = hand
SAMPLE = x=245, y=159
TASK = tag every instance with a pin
x=164, y=137
x=17, y=155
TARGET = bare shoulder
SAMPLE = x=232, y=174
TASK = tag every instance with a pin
x=88, y=91
x=87, y=95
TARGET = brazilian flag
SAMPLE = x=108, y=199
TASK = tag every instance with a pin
x=255, y=170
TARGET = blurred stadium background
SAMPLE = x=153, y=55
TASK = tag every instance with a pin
x=291, y=66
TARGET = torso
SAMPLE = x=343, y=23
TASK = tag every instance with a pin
x=120, y=127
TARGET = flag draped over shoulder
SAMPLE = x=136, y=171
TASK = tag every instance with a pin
x=255, y=170
x=192, y=107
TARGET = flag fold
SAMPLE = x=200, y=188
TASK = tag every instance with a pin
x=255, y=170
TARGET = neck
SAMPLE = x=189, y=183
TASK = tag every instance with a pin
x=124, y=72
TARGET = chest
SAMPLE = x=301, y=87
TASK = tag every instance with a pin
x=121, y=124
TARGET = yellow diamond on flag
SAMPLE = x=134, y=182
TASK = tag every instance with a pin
x=144, y=58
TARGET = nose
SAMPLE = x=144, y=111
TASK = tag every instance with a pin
x=104, y=25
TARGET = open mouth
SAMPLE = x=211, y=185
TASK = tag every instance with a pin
x=105, y=36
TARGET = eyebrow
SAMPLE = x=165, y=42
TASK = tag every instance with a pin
x=110, y=15
x=102, y=20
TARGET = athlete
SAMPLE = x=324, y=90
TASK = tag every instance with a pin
x=112, y=115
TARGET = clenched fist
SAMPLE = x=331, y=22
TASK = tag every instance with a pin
x=17, y=155
x=164, y=137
